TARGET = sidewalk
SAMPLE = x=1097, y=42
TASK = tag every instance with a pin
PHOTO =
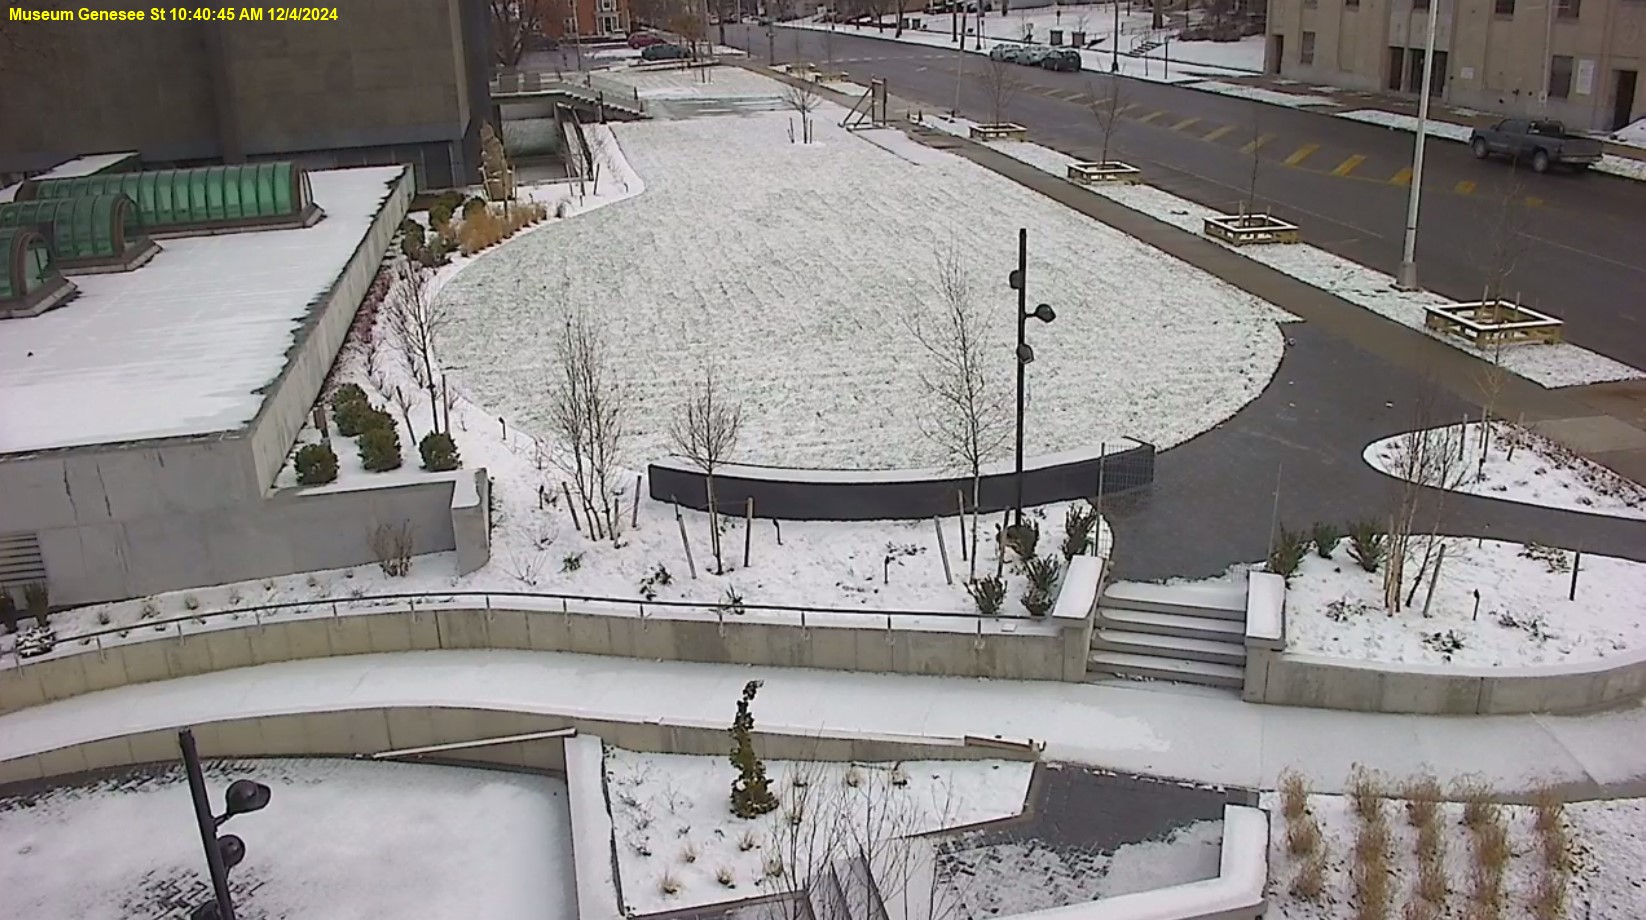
x=1156, y=729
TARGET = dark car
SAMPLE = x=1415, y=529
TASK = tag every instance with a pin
x=664, y=51
x=1061, y=59
x=1544, y=143
x=644, y=40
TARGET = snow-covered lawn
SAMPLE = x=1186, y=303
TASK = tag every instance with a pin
x=1521, y=466
x=1334, y=607
x=1010, y=878
x=1556, y=365
x=792, y=268
x=1623, y=167
x=720, y=81
x=679, y=845
x=339, y=839
x=1605, y=843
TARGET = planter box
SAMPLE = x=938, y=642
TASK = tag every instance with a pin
x=1240, y=229
x=1055, y=37
x=1000, y=132
x=1493, y=322
x=1077, y=39
x=1109, y=172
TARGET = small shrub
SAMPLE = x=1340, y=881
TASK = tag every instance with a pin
x=1478, y=807
x=724, y=876
x=149, y=610
x=1302, y=837
x=1549, y=807
x=8, y=610
x=346, y=394
x=380, y=449
x=440, y=214
x=1326, y=538
x=668, y=884
x=989, y=593
x=658, y=578
x=439, y=452
x=1366, y=544
x=1022, y=538
x=474, y=204
x=1422, y=795
x=190, y=602
x=773, y=866
x=316, y=464
x=393, y=548
x=350, y=410
x=572, y=562
x=1287, y=554
x=563, y=209
x=1294, y=795
x=103, y=618
x=1447, y=643
x=436, y=253
x=732, y=603
x=37, y=600
x=688, y=853
x=1366, y=791
x=853, y=777
x=748, y=841
x=1042, y=572
x=1549, y=900
x=482, y=230
x=1079, y=522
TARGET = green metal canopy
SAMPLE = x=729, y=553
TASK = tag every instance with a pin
x=26, y=264
x=206, y=197
x=86, y=230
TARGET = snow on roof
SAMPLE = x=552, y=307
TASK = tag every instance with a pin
x=89, y=165
x=182, y=345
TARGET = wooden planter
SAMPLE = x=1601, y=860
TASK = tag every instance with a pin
x=1485, y=323
x=1109, y=172
x=1241, y=229
x=1000, y=132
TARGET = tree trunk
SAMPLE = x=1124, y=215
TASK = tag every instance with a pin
x=714, y=526
x=977, y=490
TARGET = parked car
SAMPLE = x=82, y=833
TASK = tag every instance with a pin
x=644, y=40
x=664, y=51
x=1011, y=54
x=1545, y=143
x=1061, y=59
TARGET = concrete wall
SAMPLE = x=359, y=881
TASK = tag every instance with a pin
x=866, y=495
x=352, y=732
x=1009, y=649
x=1289, y=679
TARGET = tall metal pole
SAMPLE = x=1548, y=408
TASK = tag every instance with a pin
x=1022, y=365
x=1406, y=280
x=208, y=824
x=959, y=73
x=1114, y=41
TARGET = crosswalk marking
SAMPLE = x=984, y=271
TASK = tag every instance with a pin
x=1464, y=188
x=1256, y=145
x=1348, y=166
x=1184, y=124
x=1404, y=177
x=1301, y=154
x=1214, y=135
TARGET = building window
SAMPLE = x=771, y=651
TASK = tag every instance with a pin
x=1560, y=76
x=570, y=25
x=1351, y=4
x=608, y=6
x=1306, y=54
x=1568, y=9
x=1420, y=4
x=1310, y=4
x=1504, y=8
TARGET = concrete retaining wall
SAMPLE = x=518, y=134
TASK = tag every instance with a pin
x=363, y=732
x=867, y=495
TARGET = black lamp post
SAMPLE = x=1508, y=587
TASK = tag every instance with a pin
x=225, y=852
x=1025, y=354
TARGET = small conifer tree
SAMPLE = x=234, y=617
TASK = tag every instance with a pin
x=751, y=791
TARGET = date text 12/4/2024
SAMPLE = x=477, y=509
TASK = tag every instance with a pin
x=244, y=14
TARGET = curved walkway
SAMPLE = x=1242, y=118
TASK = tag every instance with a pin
x=1137, y=728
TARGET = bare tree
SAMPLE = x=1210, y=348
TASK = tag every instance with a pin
x=1505, y=246
x=514, y=24
x=827, y=37
x=416, y=320
x=803, y=98
x=705, y=432
x=1256, y=146
x=968, y=420
x=1106, y=108
x=1428, y=457
x=1001, y=81
x=588, y=407
x=807, y=837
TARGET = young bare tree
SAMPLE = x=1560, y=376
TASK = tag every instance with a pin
x=416, y=320
x=1505, y=247
x=588, y=408
x=807, y=837
x=803, y=98
x=1001, y=81
x=705, y=432
x=1106, y=106
x=1257, y=159
x=1429, y=463
x=968, y=422
x=514, y=24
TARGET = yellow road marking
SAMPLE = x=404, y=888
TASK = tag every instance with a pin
x=1532, y=201
x=1125, y=108
x=1184, y=124
x=1218, y=133
x=1348, y=166
x=1080, y=98
x=1464, y=188
x=1404, y=177
x=1301, y=154
x=1254, y=145
x=1151, y=116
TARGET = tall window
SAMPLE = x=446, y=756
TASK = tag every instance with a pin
x=608, y=6
x=1560, y=76
x=1310, y=4
x=1504, y=7
x=1351, y=4
x=1306, y=55
x=1420, y=4
x=1568, y=9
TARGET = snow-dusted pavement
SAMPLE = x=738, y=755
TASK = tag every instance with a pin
x=1151, y=729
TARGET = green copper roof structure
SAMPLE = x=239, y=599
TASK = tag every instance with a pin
x=29, y=280
x=93, y=230
x=207, y=198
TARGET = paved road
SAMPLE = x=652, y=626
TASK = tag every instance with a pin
x=1579, y=250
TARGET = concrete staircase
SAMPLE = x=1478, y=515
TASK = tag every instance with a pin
x=1192, y=634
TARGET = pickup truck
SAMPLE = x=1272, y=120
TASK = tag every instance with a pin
x=1545, y=143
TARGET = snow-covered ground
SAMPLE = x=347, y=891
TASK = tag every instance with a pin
x=1554, y=365
x=1623, y=167
x=674, y=827
x=1259, y=94
x=1334, y=608
x=1632, y=134
x=1520, y=466
x=1010, y=878
x=339, y=839
x=794, y=268
x=1607, y=844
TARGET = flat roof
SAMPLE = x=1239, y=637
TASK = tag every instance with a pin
x=89, y=165
x=181, y=346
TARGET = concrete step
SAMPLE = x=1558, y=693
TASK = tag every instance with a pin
x=1171, y=624
x=1173, y=669
x=1135, y=643
x=1226, y=602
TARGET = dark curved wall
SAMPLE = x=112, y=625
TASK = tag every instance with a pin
x=831, y=495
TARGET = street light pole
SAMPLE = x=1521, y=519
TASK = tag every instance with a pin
x=208, y=825
x=1114, y=41
x=1019, y=280
x=1406, y=280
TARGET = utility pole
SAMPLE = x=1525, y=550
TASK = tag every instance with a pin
x=1114, y=41
x=1407, y=277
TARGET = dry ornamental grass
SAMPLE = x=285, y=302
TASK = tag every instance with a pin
x=1303, y=837
x=1366, y=790
x=1294, y=795
x=1422, y=797
x=1310, y=881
